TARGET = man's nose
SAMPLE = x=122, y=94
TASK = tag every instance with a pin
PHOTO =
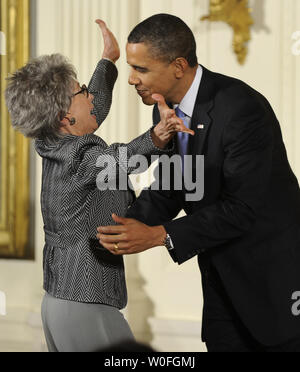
x=133, y=79
x=91, y=97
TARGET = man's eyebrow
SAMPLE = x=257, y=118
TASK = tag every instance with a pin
x=136, y=66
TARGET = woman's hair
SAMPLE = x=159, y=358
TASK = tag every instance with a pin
x=168, y=38
x=39, y=95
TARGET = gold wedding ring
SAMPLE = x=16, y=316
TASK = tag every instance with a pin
x=116, y=246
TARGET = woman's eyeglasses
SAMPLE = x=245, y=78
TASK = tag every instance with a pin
x=84, y=90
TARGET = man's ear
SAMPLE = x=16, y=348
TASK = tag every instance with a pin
x=181, y=65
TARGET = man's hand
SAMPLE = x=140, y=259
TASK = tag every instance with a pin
x=130, y=237
x=169, y=125
x=111, y=46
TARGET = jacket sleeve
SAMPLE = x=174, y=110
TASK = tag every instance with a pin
x=93, y=161
x=154, y=208
x=101, y=86
x=248, y=145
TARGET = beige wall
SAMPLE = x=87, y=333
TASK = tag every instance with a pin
x=168, y=295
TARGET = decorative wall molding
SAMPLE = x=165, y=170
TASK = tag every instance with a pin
x=288, y=63
x=173, y=335
x=297, y=92
x=2, y=44
x=21, y=331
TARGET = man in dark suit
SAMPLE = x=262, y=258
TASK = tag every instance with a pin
x=246, y=228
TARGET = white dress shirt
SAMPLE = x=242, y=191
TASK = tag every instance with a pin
x=187, y=104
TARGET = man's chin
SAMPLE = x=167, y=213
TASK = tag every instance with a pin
x=149, y=101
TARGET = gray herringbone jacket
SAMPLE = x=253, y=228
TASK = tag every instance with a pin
x=76, y=267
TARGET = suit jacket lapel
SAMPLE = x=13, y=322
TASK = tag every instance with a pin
x=201, y=119
x=201, y=122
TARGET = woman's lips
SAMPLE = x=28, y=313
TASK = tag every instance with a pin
x=92, y=112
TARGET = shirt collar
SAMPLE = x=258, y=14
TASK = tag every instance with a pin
x=188, y=102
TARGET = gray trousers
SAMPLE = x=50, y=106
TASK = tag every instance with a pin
x=79, y=327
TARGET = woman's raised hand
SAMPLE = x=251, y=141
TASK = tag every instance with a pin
x=169, y=125
x=111, y=46
x=169, y=120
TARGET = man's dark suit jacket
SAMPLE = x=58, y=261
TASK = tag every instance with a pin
x=248, y=221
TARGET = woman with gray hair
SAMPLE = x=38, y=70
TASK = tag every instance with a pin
x=84, y=283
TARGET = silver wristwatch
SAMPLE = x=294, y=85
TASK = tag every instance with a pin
x=167, y=243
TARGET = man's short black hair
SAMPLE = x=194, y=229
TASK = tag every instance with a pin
x=168, y=37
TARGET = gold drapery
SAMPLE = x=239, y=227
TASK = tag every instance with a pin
x=14, y=150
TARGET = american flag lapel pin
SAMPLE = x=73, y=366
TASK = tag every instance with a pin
x=200, y=126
